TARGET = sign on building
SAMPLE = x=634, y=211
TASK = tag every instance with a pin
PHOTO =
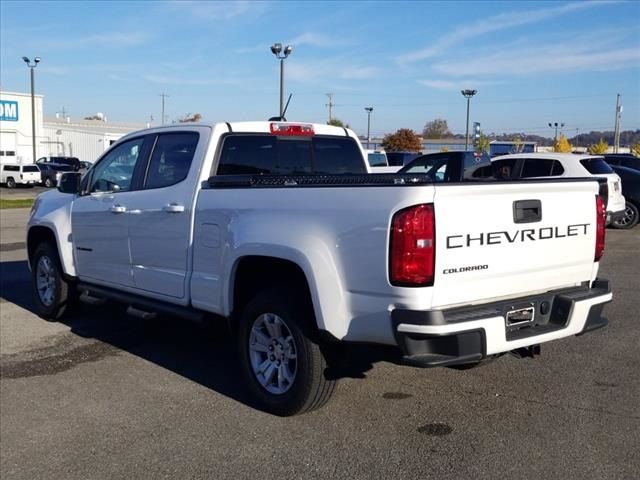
x=8, y=111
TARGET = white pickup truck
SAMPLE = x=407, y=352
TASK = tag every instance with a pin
x=278, y=228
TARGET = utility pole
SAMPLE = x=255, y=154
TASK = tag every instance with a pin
x=163, y=95
x=616, y=135
x=330, y=104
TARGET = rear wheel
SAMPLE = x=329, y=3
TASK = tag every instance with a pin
x=283, y=365
x=11, y=183
x=53, y=295
x=630, y=218
x=48, y=182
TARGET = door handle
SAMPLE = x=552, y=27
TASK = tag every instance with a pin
x=117, y=209
x=174, y=208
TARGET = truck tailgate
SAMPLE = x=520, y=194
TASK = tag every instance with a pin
x=502, y=240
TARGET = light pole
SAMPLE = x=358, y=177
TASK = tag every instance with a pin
x=556, y=125
x=467, y=94
x=369, y=110
x=32, y=67
x=277, y=49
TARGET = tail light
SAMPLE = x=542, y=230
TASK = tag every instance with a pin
x=413, y=247
x=601, y=217
x=292, y=129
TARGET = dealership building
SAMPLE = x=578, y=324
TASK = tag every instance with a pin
x=86, y=139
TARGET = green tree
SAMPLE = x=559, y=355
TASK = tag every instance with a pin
x=635, y=149
x=562, y=145
x=336, y=122
x=483, y=145
x=598, y=148
x=437, y=128
x=403, y=140
x=518, y=145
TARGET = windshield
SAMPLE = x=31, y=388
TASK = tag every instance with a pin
x=377, y=159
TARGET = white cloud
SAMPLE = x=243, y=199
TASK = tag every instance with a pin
x=218, y=10
x=315, y=40
x=458, y=84
x=329, y=70
x=543, y=59
x=172, y=80
x=495, y=23
x=116, y=39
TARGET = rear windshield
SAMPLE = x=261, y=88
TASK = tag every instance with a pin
x=273, y=155
x=596, y=165
x=30, y=168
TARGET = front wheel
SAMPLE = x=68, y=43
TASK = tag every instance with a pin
x=282, y=365
x=629, y=219
x=48, y=182
x=52, y=293
x=11, y=183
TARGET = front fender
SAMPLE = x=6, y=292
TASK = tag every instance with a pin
x=52, y=210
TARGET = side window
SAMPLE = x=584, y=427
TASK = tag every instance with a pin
x=248, y=154
x=114, y=172
x=537, y=167
x=557, y=168
x=11, y=168
x=504, y=169
x=171, y=159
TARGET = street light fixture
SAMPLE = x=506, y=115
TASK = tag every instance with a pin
x=369, y=110
x=32, y=67
x=281, y=54
x=467, y=94
x=556, y=125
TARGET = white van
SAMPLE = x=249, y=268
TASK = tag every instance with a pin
x=12, y=174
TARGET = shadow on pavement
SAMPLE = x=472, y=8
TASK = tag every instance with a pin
x=204, y=353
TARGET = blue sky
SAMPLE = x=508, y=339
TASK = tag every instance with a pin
x=531, y=62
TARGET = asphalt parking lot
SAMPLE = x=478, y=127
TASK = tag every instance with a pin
x=103, y=395
x=22, y=192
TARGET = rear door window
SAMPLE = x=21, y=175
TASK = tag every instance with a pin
x=30, y=168
x=596, y=165
x=505, y=169
x=541, y=167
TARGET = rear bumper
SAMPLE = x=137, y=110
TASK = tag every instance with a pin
x=470, y=334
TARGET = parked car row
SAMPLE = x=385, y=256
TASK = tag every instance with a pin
x=615, y=171
x=46, y=171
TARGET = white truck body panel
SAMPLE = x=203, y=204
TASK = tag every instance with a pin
x=338, y=236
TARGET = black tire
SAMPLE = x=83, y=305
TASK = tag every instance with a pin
x=310, y=388
x=63, y=296
x=11, y=183
x=48, y=182
x=630, y=219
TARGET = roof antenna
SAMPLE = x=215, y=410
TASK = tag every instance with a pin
x=282, y=118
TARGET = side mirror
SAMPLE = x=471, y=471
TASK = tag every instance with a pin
x=69, y=183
